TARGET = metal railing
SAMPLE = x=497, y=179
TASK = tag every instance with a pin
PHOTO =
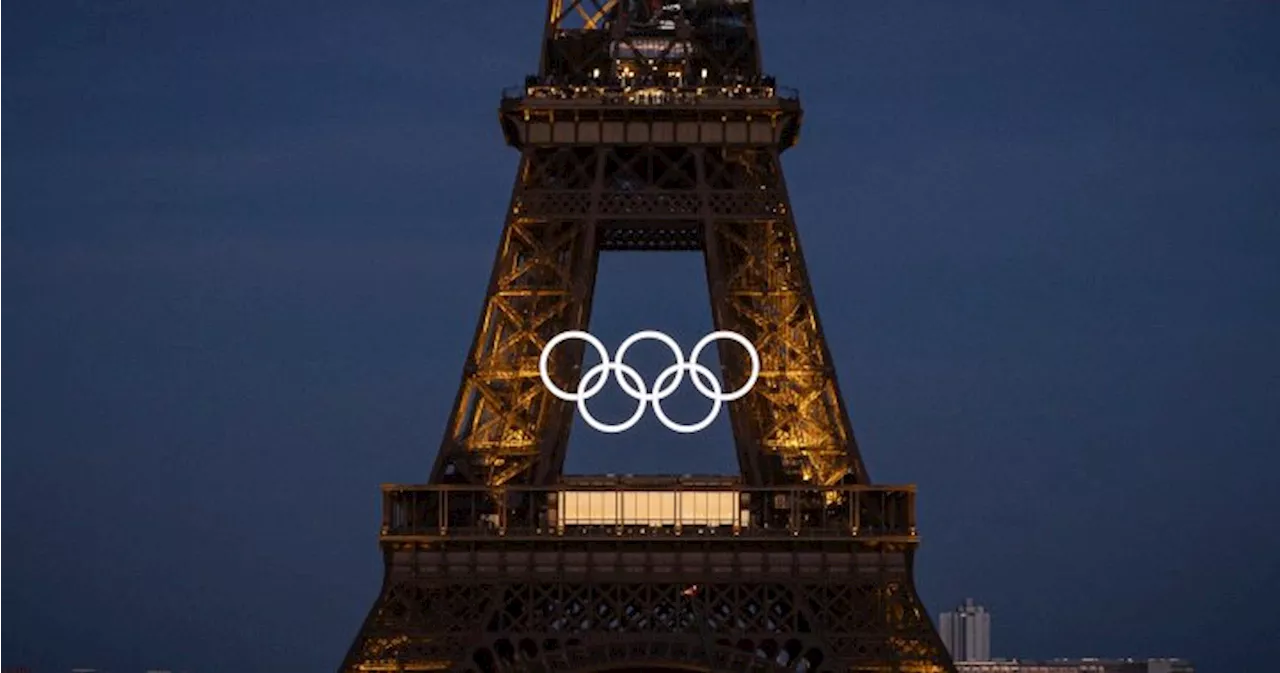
x=650, y=95
x=840, y=512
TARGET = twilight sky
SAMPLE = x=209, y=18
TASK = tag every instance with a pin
x=246, y=243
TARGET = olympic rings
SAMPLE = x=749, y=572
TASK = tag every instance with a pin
x=594, y=379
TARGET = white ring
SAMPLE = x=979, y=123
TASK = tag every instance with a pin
x=675, y=350
x=661, y=390
x=716, y=399
x=546, y=354
x=751, y=350
x=603, y=370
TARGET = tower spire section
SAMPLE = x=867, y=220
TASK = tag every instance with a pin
x=621, y=43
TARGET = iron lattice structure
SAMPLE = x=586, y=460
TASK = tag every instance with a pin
x=648, y=127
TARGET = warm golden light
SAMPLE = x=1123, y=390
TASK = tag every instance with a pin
x=650, y=508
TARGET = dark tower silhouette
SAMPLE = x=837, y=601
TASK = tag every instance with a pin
x=649, y=126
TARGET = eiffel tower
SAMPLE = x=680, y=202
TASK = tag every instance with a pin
x=649, y=126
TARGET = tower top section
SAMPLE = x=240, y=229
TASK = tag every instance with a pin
x=610, y=59
x=620, y=43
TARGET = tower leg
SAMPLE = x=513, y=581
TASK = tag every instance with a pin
x=505, y=427
x=792, y=427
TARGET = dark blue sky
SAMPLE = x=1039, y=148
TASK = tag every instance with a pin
x=245, y=245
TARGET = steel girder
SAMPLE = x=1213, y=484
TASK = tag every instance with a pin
x=566, y=605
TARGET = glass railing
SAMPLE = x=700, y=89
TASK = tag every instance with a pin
x=433, y=511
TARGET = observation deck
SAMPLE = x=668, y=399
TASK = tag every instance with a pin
x=759, y=114
x=647, y=509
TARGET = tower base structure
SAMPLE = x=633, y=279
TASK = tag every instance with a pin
x=699, y=575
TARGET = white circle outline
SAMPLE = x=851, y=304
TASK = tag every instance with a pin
x=546, y=355
x=751, y=350
x=622, y=372
x=604, y=376
x=717, y=400
x=657, y=393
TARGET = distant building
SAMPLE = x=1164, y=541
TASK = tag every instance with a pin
x=966, y=632
x=1077, y=666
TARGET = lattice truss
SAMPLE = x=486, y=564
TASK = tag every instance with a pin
x=505, y=420
x=792, y=426
x=872, y=625
x=572, y=202
x=588, y=37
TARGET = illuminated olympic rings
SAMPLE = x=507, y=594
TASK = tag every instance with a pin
x=595, y=378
